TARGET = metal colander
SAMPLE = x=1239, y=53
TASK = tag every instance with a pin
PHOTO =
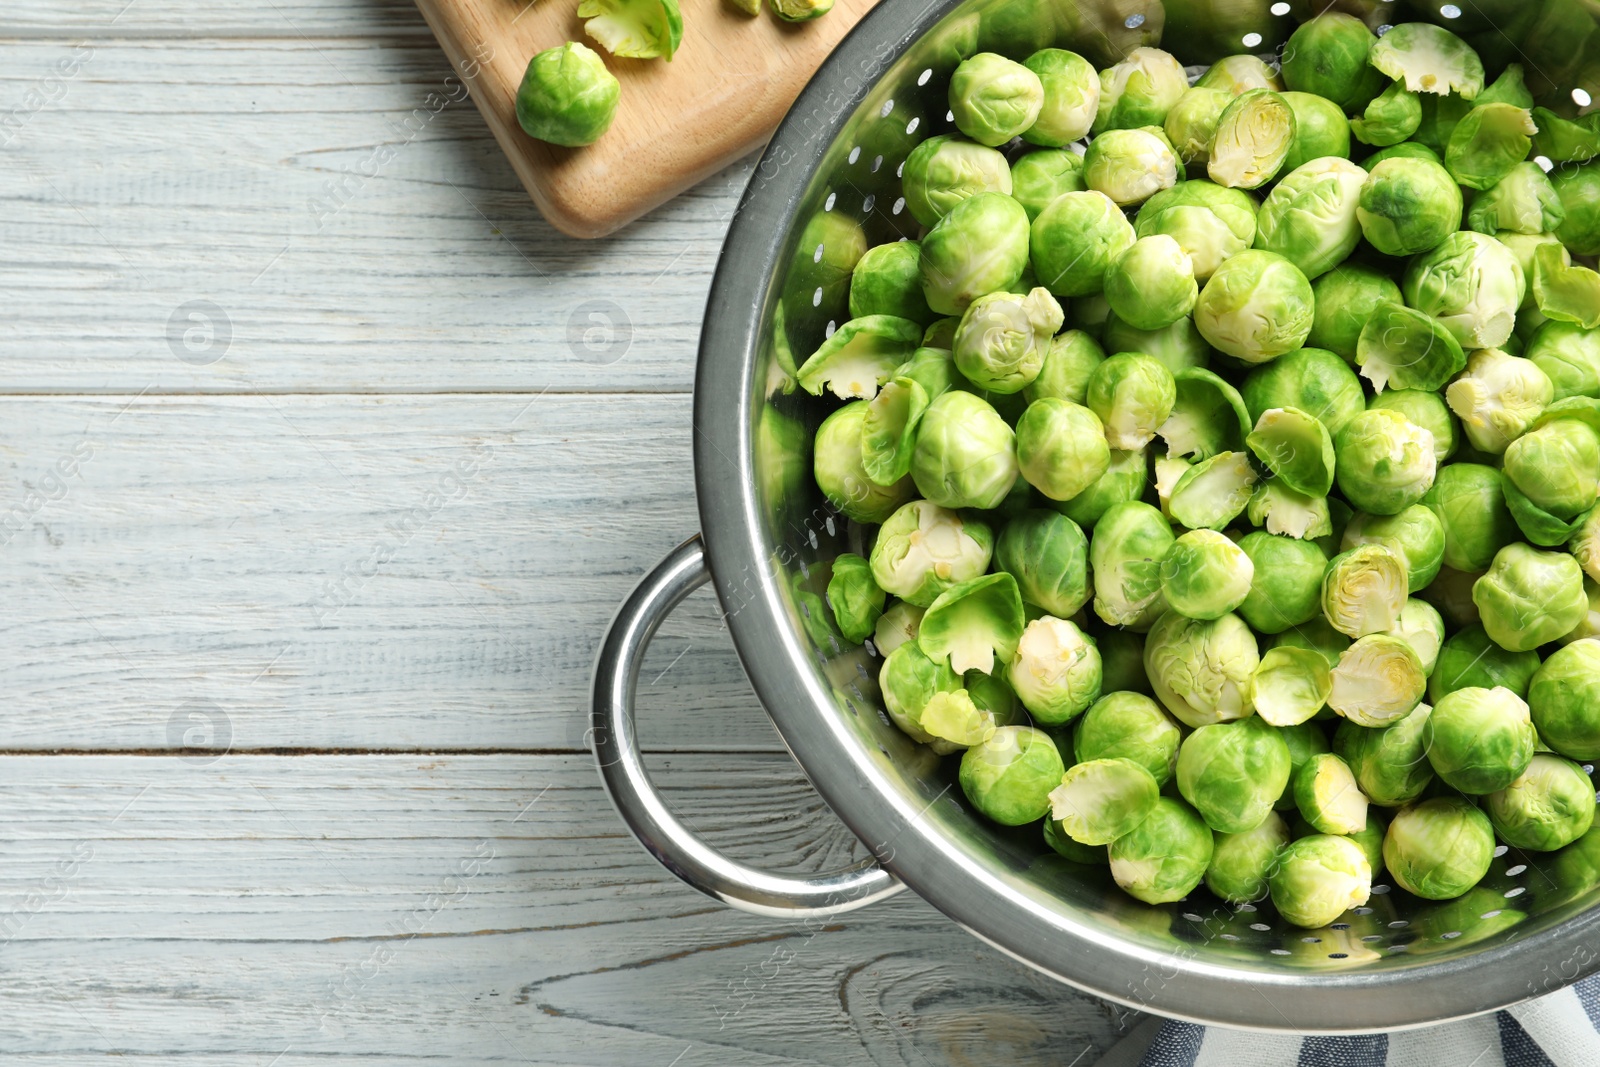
x=828, y=186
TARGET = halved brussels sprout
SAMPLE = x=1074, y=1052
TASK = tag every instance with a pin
x=994, y=98
x=1139, y=91
x=1523, y=202
x=1364, y=590
x=1191, y=125
x=1327, y=55
x=1530, y=598
x=1469, y=659
x=1242, y=863
x=1389, y=119
x=1438, y=849
x=1130, y=166
x=1002, y=340
x=1254, y=137
x=1488, y=143
x=973, y=622
x=1347, y=298
x=898, y=624
x=1256, y=307
x=1210, y=222
x=1009, y=776
x=1469, y=501
x=1320, y=131
x=945, y=170
x=1319, y=878
x=1295, y=447
x=1470, y=283
x=1386, y=462
x=1233, y=772
x=1039, y=177
x=979, y=247
x=855, y=599
x=1213, y=492
x=1129, y=726
x=1570, y=355
x=567, y=96
x=889, y=431
x=1075, y=240
x=1409, y=206
x=634, y=29
x=860, y=356
x=1415, y=535
x=1132, y=395
x=965, y=455
x=1208, y=417
x=1126, y=552
x=1072, y=358
x=1071, y=97
x=1422, y=627
x=1204, y=575
x=1290, y=686
x=1165, y=856
x=909, y=680
x=1309, y=218
x=1314, y=380
x=1061, y=448
x=800, y=10
x=1379, y=680
x=837, y=467
x=1479, y=740
x=1152, y=284
x=1430, y=59
x=1125, y=480
x=1326, y=792
x=1564, y=292
x=1564, y=700
x=923, y=549
x=1390, y=762
x=1497, y=397
x=1056, y=671
x=1100, y=800
x=1287, y=588
x=1551, y=805
x=1201, y=671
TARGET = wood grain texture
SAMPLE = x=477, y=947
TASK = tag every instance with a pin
x=466, y=910
x=235, y=172
x=176, y=19
x=719, y=98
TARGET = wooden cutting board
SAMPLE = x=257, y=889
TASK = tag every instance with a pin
x=721, y=96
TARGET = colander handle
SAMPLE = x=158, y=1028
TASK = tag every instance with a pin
x=616, y=748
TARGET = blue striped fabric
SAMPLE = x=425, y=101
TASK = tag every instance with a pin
x=1562, y=1030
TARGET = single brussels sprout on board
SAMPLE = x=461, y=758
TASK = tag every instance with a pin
x=1319, y=878
x=567, y=96
x=1009, y=777
x=1479, y=740
x=1165, y=856
x=1100, y=800
x=1438, y=849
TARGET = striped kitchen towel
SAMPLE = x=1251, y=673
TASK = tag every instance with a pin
x=1559, y=1030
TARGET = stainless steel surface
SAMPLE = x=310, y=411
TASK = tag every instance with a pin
x=833, y=166
x=616, y=678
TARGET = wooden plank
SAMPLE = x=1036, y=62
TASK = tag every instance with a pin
x=466, y=910
x=177, y=19
x=293, y=215
x=348, y=572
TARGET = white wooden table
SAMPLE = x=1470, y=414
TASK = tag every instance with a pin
x=317, y=462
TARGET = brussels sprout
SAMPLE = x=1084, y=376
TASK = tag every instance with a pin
x=1421, y=626
x=1562, y=141
x=1125, y=556
x=1472, y=284
x=800, y=10
x=1408, y=350
x=1130, y=166
x=1009, y=776
x=1424, y=409
x=1415, y=535
x=896, y=626
x=860, y=356
x=1048, y=556
x=1287, y=585
x=1070, y=361
x=1314, y=380
x=1385, y=462
x=1204, y=575
x=1178, y=347
x=1241, y=863
x=955, y=721
x=1129, y=726
x=1139, y=91
x=1564, y=292
x=1549, y=806
x=1310, y=217
x=980, y=246
x=1409, y=206
x=1210, y=222
x=1327, y=56
x=1201, y=671
x=1488, y=143
x=1403, y=150
x=1317, y=636
x=1389, y=119
x=1379, y=680
x=1191, y=125
x=993, y=694
x=1440, y=115
x=1075, y=240
x=1439, y=848
x=1239, y=74
x=1061, y=448
x=1390, y=762
x=994, y=98
x=922, y=550
x=1570, y=355
x=567, y=96
x=1469, y=502
x=1498, y=397
x=1039, y=177
x=1564, y=698
x=1090, y=313
x=1326, y=792
x=1469, y=659
x=1579, y=190
x=1290, y=686
x=1296, y=448
x=889, y=430
x=1585, y=543
x=1122, y=663
x=1165, y=856
x=1347, y=298
x=855, y=599
x=1529, y=598
x=1213, y=492
x=1071, y=97
x=1067, y=848
x=1056, y=671
x=1288, y=513
x=1002, y=340
x=888, y=281
x=1132, y=394
x=1254, y=137
x=909, y=680
x=1208, y=417
x=1256, y=307
x=1523, y=202
x=941, y=337
x=836, y=464
x=965, y=455
x=1321, y=131
x=1451, y=593
x=1318, y=878
x=1430, y=59
x=1233, y=772
x=945, y=170
x=972, y=622
x=1479, y=740
x=1151, y=285
x=1364, y=589
x=1124, y=480
x=1100, y=800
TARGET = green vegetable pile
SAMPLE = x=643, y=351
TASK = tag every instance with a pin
x=1233, y=505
